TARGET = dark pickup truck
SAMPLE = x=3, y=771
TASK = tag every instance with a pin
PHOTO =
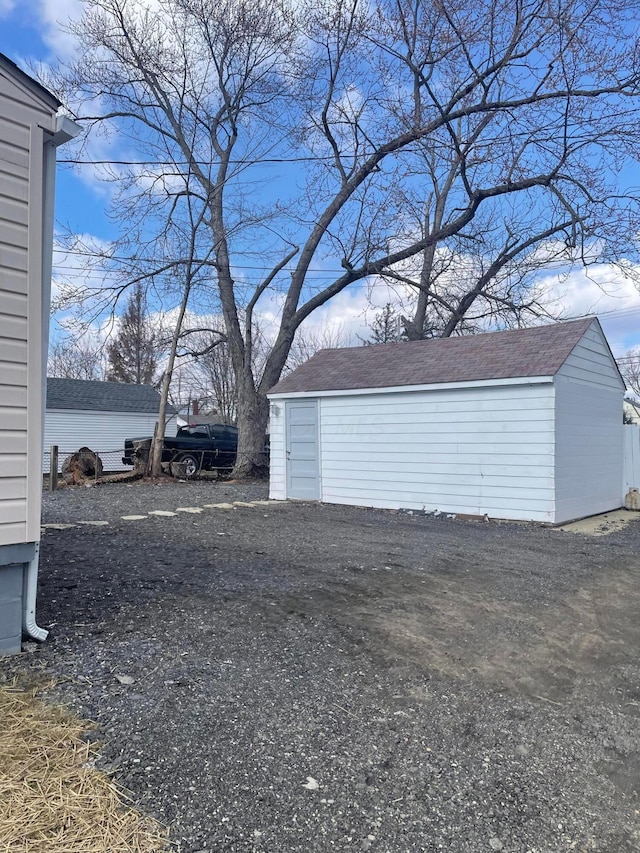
x=196, y=447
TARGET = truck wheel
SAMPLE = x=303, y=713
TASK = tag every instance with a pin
x=189, y=465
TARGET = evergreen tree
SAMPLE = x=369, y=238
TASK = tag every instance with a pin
x=133, y=353
x=386, y=327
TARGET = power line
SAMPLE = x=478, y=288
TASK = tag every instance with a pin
x=307, y=158
x=484, y=142
x=613, y=312
x=550, y=267
x=160, y=261
x=266, y=161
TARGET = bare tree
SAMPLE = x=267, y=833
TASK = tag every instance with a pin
x=629, y=366
x=186, y=232
x=76, y=358
x=209, y=371
x=486, y=276
x=523, y=100
x=486, y=272
x=309, y=340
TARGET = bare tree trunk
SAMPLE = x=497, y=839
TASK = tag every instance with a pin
x=253, y=415
x=415, y=327
x=157, y=445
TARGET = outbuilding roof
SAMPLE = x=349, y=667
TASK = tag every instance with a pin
x=515, y=353
x=93, y=396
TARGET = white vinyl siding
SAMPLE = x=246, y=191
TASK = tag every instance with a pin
x=591, y=362
x=27, y=121
x=541, y=449
x=102, y=432
x=15, y=138
x=589, y=451
x=589, y=435
x=459, y=451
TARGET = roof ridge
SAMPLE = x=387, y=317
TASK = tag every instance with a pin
x=586, y=321
x=505, y=354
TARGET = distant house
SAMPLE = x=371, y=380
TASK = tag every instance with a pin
x=521, y=424
x=631, y=409
x=30, y=132
x=99, y=415
x=183, y=418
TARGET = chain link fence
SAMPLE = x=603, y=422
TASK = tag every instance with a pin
x=101, y=465
x=107, y=462
x=111, y=459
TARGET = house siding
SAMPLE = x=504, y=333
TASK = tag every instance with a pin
x=17, y=255
x=29, y=134
x=589, y=451
x=463, y=451
x=591, y=362
x=103, y=432
x=589, y=435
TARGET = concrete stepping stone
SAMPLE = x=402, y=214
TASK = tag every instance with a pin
x=56, y=526
x=191, y=509
x=132, y=517
x=244, y=503
x=219, y=506
x=161, y=512
x=95, y=523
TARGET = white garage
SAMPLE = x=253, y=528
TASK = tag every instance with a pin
x=99, y=415
x=522, y=424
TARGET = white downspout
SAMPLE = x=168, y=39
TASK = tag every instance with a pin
x=29, y=625
x=65, y=129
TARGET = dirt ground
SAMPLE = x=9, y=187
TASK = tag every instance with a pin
x=300, y=677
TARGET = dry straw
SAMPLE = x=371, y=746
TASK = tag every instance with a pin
x=52, y=799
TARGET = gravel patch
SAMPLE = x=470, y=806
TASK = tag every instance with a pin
x=109, y=501
x=303, y=677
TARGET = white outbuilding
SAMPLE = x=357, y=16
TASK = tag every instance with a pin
x=101, y=416
x=522, y=424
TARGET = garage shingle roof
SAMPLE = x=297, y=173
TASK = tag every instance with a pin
x=539, y=351
x=88, y=395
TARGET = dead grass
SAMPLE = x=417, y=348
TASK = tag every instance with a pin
x=52, y=799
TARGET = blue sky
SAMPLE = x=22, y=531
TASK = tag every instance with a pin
x=29, y=33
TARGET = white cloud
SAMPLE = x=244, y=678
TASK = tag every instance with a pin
x=77, y=276
x=6, y=7
x=349, y=315
x=50, y=16
x=604, y=291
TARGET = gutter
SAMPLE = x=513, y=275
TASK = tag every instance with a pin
x=64, y=130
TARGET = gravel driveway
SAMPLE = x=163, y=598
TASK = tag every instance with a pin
x=302, y=677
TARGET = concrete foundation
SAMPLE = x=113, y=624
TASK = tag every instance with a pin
x=14, y=561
